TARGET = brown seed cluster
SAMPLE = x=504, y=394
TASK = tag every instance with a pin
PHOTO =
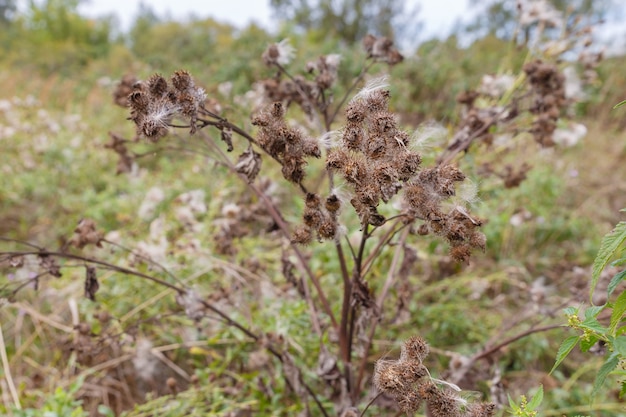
x=287, y=145
x=373, y=156
x=123, y=90
x=407, y=380
x=424, y=196
x=319, y=219
x=547, y=85
x=382, y=49
x=154, y=103
x=325, y=68
x=296, y=90
x=86, y=233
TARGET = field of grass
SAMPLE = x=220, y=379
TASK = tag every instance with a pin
x=181, y=217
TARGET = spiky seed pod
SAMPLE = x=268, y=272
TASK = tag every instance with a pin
x=407, y=164
x=356, y=112
x=157, y=86
x=388, y=376
x=313, y=217
x=452, y=173
x=454, y=231
x=416, y=195
x=333, y=204
x=293, y=170
x=409, y=401
x=383, y=123
x=478, y=240
x=414, y=349
x=377, y=101
x=443, y=404
x=302, y=235
x=376, y=147
x=413, y=370
x=480, y=410
x=353, y=137
x=328, y=229
x=460, y=253
x=312, y=200
x=354, y=171
x=181, y=80
x=423, y=230
x=139, y=101
x=336, y=158
x=277, y=110
x=310, y=147
x=368, y=43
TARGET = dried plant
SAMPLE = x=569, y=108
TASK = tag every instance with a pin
x=374, y=184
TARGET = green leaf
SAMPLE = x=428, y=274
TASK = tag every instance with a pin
x=588, y=343
x=619, y=262
x=619, y=277
x=512, y=403
x=619, y=308
x=594, y=325
x=536, y=399
x=609, y=245
x=564, y=350
x=619, y=345
x=620, y=104
x=592, y=312
x=603, y=372
x=569, y=311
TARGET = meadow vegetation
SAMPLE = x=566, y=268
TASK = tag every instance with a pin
x=202, y=220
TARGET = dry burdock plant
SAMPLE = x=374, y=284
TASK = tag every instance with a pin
x=373, y=182
x=408, y=381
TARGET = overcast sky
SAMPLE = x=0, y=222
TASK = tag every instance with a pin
x=438, y=16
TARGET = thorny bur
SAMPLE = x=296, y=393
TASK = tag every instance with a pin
x=154, y=103
x=408, y=382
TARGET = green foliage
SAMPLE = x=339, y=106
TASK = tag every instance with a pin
x=592, y=331
x=62, y=403
x=527, y=408
x=612, y=245
x=52, y=37
x=348, y=20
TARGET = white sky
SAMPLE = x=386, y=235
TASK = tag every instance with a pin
x=438, y=16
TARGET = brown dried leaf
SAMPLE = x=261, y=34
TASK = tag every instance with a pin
x=227, y=137
x=249, y=164
x=91, y=283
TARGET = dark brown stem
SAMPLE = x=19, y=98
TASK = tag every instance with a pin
x=65, y=255
x=344, y=341
x=381, y=299
x=382, y=242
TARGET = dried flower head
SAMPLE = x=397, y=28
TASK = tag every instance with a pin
x=286, y=144
x=123, y=89
x=85, y=234
x=154, y=103
x=381, y=49
x=414, y=349
x=280, y=53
